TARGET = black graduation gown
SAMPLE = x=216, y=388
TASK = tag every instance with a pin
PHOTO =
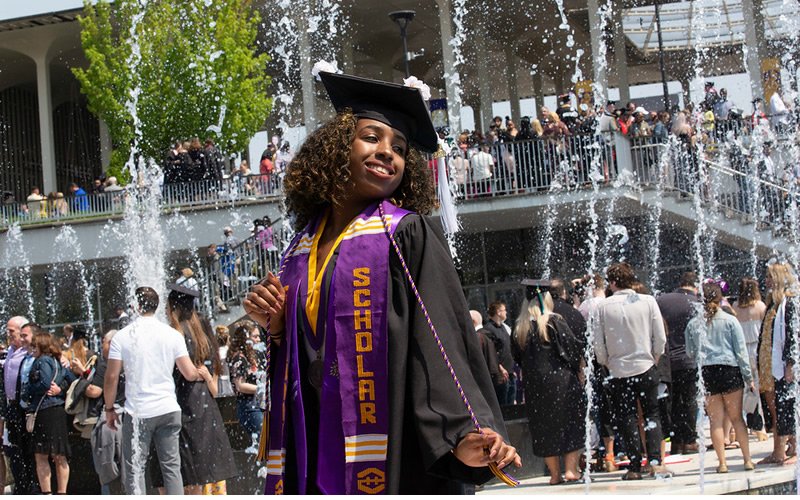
x=427, y=415
x=555, y=399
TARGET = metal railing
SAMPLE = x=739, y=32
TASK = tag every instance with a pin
x=230, y=272
x=534, y=165
x=112, y=203
x=725, y=178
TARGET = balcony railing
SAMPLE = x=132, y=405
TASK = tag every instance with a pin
x=231, y=190
x=504, y=169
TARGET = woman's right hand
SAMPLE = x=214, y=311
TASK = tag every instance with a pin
x=266, y=302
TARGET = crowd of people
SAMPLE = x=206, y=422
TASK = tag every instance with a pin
x=362, y=348
x=561, y=146
x=153, y=380
x=649, y=355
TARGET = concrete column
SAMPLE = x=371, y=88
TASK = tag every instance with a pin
x=538, y=93
x=620, y=57
x=306, y=80
x=513, y=89
x=484, y=85
x=753, y=37
x=599, y=61
x=105, y=145
x=476, y=116
x=449, y=64
x=48, y=147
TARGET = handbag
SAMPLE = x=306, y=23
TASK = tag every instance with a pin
x=30, y=418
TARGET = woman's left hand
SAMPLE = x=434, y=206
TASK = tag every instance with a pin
x=472, y=450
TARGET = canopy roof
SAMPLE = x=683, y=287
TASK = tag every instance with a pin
x=723, y=24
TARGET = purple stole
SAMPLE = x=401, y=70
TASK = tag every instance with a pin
x=354, y=404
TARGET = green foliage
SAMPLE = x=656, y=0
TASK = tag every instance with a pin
x=116, y=166
x=198, y=69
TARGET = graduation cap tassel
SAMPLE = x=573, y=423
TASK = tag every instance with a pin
x=447, y=208
x=499, y=473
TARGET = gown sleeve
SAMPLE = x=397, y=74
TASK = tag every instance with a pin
x=789, y=346
x=570, y=347
x=440, y=417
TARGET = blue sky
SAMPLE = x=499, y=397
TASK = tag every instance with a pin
x=13, y=9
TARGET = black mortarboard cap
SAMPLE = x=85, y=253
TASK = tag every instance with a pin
x=182, y=295
x=79, y=333
x=532, y=287
x=398, y=106
x=182, y=290
x=534, y=290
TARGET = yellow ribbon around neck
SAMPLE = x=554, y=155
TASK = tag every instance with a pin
x=315, y=278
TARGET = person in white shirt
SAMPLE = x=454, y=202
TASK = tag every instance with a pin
x=629, y=341
x=778, y=113
x=35, y=203
x=482, y=165
x=148, y=350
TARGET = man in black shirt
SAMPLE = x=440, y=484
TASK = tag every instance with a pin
x=562, y=306
x=677, y=308
x=497, y=333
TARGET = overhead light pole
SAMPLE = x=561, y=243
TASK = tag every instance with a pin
x=403, y=18
x=661, y=57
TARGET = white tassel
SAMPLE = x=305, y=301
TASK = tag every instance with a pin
x=447, y=207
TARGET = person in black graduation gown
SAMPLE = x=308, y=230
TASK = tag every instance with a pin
x=362, y=156
x=551, y=357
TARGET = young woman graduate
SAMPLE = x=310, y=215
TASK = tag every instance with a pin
x=361, y=399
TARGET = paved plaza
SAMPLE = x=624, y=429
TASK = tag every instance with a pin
x=686, y=480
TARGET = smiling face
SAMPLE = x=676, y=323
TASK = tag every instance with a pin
x=377, y=160
x=25, y=337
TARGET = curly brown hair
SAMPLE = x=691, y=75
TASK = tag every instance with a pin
x=319, y=174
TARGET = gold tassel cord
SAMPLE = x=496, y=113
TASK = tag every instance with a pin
x=500, y=474
x=262, y=441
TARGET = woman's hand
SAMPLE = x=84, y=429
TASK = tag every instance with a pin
x=54, y=390
x=266, y=302
x=472, y=450
x=752, y=386
x=202, y=370
x=77, y=367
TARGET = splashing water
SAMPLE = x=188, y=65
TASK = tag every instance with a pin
x=145, y=252
x=67, y=249
x=16, y=275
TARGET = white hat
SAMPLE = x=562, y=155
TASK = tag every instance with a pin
x=641, y=110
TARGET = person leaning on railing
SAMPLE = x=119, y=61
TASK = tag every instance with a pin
x=57, y=205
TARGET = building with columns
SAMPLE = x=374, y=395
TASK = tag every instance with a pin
x=506, y=51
